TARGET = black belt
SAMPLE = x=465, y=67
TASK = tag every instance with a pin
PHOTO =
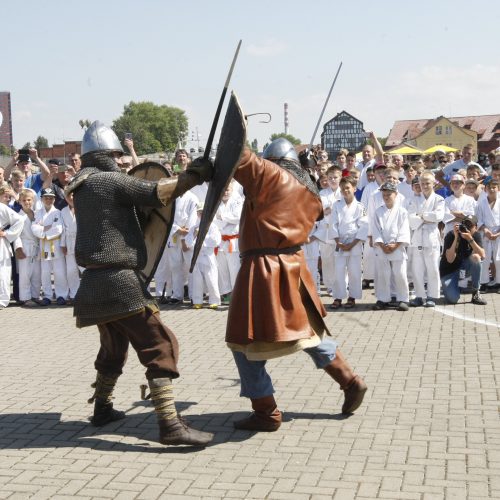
x=270, y=251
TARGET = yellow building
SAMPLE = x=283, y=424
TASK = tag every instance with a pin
x=442, y=131
x=483, y=131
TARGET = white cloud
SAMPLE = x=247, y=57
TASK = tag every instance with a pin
x=268, y=48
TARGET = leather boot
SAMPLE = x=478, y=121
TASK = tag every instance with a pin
x=265, y=418
x=173, y=429
x=104, y=413
x=353, y=385
x=176, y=431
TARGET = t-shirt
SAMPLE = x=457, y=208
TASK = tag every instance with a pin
x=34, y=182
x=454, y=167
x=464, y=251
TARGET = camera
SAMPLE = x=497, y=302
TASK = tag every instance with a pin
x=128, y=135
x=463, y=228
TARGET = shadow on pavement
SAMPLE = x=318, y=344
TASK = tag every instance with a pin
x=20, y=431
x=47, y=430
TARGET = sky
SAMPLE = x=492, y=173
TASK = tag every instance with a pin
x=68, y=60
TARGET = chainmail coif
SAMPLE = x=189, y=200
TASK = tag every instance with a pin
x=101, y=160
x=299, y=173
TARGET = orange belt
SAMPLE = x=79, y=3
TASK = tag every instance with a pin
x=228, y=237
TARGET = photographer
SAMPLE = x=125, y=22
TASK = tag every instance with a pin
x=462, y=249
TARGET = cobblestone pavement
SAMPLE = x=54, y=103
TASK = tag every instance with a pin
x=429, y=429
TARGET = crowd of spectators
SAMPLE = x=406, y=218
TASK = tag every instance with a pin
x=411, y=229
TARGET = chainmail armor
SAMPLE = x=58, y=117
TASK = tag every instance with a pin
x=109, y=242
x=299, y=173
x=101, y=160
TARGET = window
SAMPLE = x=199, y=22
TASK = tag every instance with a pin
x=448, y=130
x=439, y=130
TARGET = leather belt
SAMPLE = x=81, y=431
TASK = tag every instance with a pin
x=270, y=251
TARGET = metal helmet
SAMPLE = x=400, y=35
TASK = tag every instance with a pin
x=98, y=137
x=280, y=149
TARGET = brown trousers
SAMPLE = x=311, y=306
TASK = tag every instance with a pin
x=156, y=346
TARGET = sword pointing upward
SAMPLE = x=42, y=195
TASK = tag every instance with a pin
x=324, y=107
x=219, y=107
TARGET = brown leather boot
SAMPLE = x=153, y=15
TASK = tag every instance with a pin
x=173, y=429
x=265, y=418
x=176, y=431
x=353, y=385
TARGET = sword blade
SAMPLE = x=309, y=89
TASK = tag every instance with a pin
x=324, y=107
x=219, y=107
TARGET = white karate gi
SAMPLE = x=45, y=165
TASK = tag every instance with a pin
x=368, y=255
x=50, y=251
x=68, y=240
x=327, y=245
x=424, y=216
x=466, y=204
x=363, y=167
x=11, y=224
x=347, y=223
x=163, y=276
x=489, y=217
x=391, y=226
x=205, y=269
x=374, y=201
x=30, y=271
x=200, y=191
x=405, y=189
x=227, y=220
x=185, y=216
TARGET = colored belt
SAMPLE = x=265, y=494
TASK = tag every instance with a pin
x=52, y=247
x=229, y=237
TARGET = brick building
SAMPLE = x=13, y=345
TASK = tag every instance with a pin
x=61, y=151
x=5, y=120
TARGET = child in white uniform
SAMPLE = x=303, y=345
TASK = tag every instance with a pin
x=48, y=228
x=348, y=228
x=458, y=205
x=227, y=220
x=488, y=221
x=326, y=245
x=68, y=240
x=28, y=253
x=205, y=269
x=425, y=213
x=11, y=225
x=391, y=234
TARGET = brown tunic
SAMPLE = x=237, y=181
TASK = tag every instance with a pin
x=274, y=297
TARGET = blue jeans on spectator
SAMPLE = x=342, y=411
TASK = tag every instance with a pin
x=256, y=382
x=449, y=282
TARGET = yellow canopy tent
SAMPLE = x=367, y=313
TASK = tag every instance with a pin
x=405, y=150
x=440, y=147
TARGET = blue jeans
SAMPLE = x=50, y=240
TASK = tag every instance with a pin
x=256, y=382
x=449, y=282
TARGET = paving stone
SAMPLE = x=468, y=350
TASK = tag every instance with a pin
x=428, y=428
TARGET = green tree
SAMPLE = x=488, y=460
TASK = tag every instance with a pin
x=85, y=124
x=154, y=128
x=40, y=142
x=27, y=146
x=255, y=146
x=289, y=137
x=5, y=150
x=382, y=141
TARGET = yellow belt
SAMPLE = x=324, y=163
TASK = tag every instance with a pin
x=52, y=247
